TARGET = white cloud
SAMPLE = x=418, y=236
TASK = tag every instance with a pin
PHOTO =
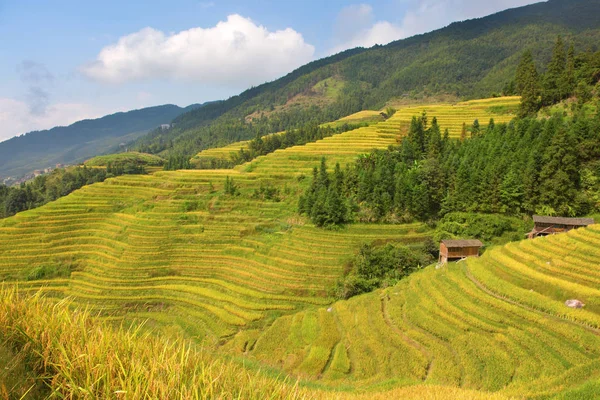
x=353, y=19
x=420, y=16
x=234, y=52
x=356, y=27
x=16, y=117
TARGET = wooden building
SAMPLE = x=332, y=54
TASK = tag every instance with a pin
x=451, y=250
x=544, y=226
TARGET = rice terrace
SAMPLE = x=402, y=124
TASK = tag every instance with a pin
x=413, y=217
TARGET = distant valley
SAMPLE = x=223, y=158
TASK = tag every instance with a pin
x=40, y=150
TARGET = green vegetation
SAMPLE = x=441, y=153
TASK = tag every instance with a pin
x=125, y=160
x=177, y=162
x=465, y=60
x=60, y=182
x=46, y=188
x=238, y=272
x=491, y=229
x=376, y=267
x=323, y=200
x=566, y=75
x=528, y=166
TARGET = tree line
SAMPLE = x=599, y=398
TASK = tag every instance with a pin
x=60, y=182
x=566, y=75
x=548, y=166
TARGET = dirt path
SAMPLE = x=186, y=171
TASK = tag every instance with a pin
x=406, y=338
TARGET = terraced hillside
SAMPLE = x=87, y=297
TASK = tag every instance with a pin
x=253, y=277
x=452, y=116
x=497, y=323
x=172, y=248
x=383, y=134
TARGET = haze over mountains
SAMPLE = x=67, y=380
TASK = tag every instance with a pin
x=470, y=59
x=81, y=140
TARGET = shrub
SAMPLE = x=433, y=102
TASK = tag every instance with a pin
x=375, y=267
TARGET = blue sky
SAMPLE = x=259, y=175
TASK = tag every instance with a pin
x=65, y=60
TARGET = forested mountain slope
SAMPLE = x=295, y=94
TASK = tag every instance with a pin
x=466, y=59
x=81, y=140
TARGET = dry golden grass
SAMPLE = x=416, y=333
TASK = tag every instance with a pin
x=83, y=358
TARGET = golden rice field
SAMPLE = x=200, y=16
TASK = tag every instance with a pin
x=251, y=280
x=451, y=116
x=172, y=249
x=497, y=324
x=86, y=358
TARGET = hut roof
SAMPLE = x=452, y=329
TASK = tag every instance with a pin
x=462, y=243
x=563, y=221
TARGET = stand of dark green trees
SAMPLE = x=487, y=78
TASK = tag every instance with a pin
x=566, y=75
x=549, y=166
x=323, y=201
x=124, y=169
x=175, y=162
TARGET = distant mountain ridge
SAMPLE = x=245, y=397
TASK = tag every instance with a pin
x=82, y=139
x=471, y=59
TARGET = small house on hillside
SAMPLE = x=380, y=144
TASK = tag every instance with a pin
x=544, y=226
x=451, y=250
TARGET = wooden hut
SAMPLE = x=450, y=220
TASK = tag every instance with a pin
x=544, y=226
x=458, y=249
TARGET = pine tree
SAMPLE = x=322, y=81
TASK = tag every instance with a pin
x=416, y=134
x=475, y=129
x=463, y=132
x=230, y=188
x=338, y=178
x=323, y=177
x=434, y=142
x=529, y=90
x=307, y=200
x=583, y=93
x=511, y=193
x=491, y=125
x=335, y=208
x=568, y=81
x=553, y=79
x=318, y=213
x=559, y=177
x=523, y=70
